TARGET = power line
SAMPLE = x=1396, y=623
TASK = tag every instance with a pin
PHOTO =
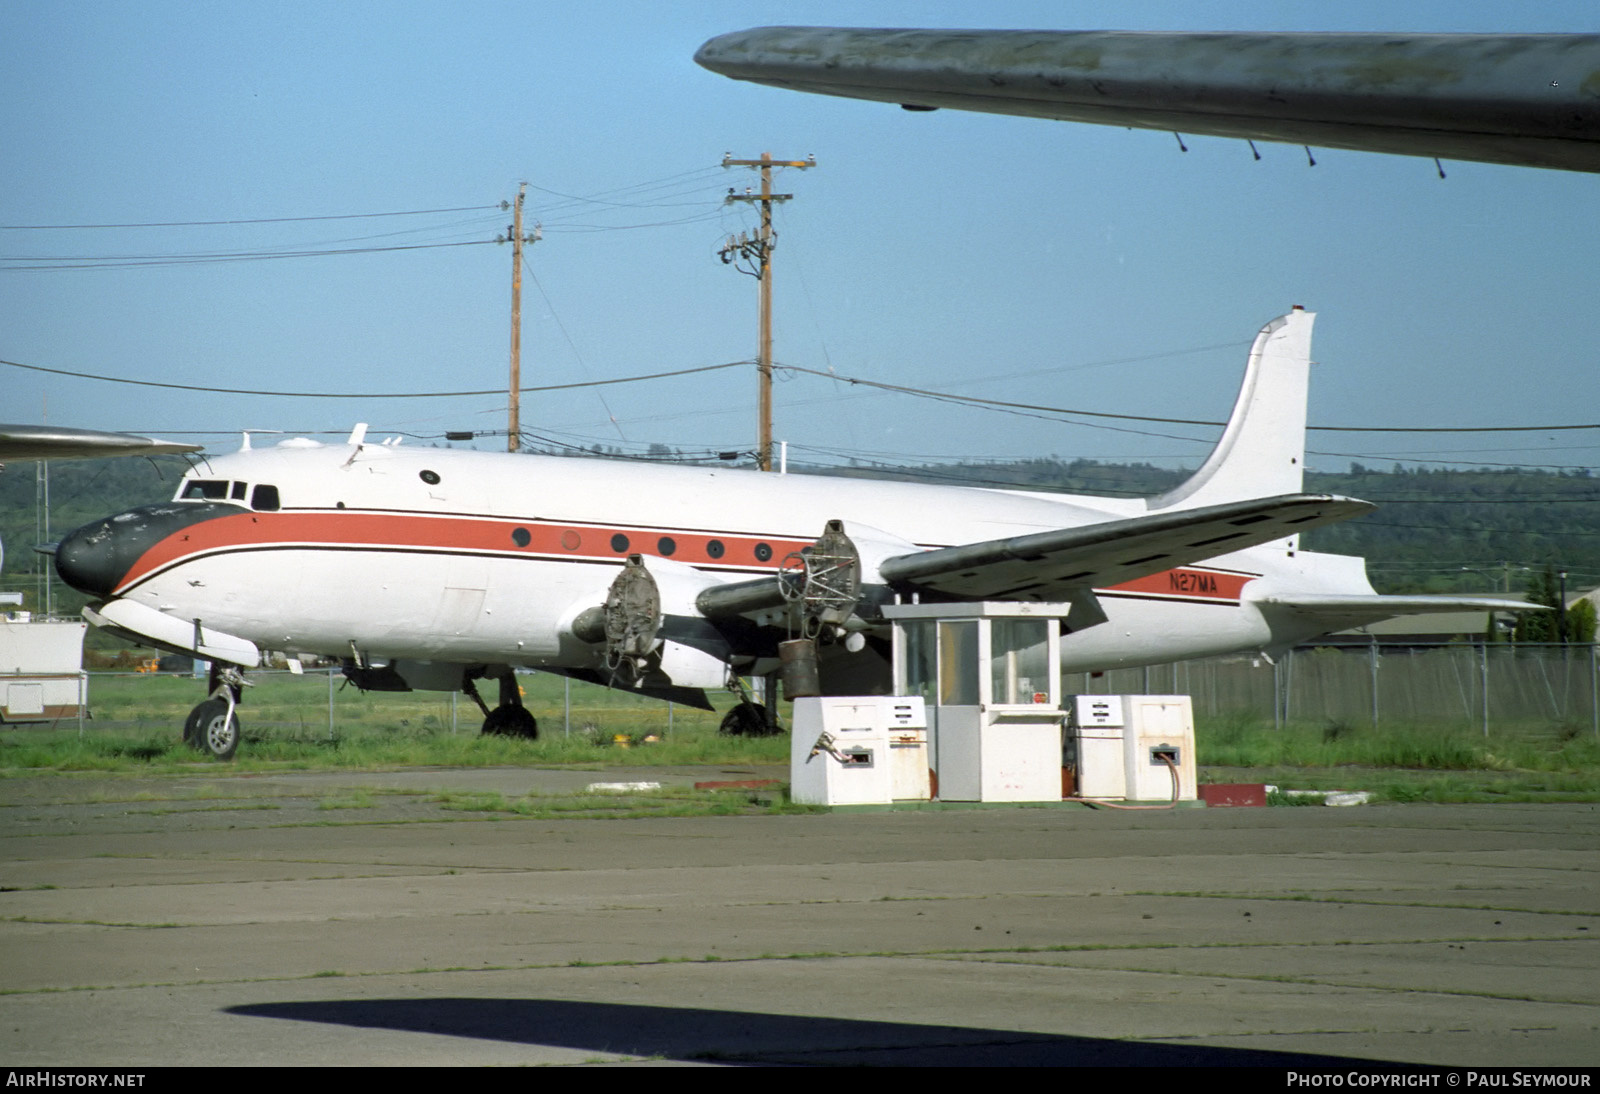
x=128, y=262
x=367, y=395
x=1466, y=464
x=975, y=400
x=250, y=220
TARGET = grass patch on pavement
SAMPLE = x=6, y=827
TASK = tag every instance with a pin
x=665, y=802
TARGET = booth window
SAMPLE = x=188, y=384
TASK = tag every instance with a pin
x=1019, y=660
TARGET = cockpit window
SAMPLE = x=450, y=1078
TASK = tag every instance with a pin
x=204, y=490
x=265, y=499
x=238, y=491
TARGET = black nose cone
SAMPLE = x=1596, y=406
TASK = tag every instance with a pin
x=96, y=558
x=93, y=558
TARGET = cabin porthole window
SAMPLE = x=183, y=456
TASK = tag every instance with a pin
x=619, y=543
x=763, y=552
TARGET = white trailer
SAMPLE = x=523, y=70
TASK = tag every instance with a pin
x=41, y=669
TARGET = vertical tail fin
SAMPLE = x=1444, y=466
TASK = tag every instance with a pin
x=1262, y=450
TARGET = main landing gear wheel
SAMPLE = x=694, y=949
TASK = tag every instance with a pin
x=211, y=730
x=747, y=720
x=509, y=721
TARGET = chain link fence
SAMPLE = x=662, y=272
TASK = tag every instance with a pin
x=1472, y=684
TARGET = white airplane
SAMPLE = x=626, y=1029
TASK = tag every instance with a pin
x=433, y=569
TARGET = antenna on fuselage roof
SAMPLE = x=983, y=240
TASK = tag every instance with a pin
x=358, y=434
x=245, y=447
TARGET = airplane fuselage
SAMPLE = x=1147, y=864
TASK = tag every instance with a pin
x=454, y=556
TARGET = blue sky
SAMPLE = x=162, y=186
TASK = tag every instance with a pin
x=1005, y=258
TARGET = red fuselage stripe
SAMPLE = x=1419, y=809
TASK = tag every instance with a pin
x=471, y=535
x=590, y=543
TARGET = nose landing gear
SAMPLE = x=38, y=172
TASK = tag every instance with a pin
x=213, y=725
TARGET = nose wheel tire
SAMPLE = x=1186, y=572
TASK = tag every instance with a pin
x=209, y=729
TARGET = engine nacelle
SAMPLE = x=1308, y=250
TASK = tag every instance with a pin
x=654, y=634
x=400, y=675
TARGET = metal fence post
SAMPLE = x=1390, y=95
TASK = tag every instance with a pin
x=1372, y=656
x=1483, y=657
x=1277, y=694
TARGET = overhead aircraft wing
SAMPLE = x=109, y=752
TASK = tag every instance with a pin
x=50, y=442
x=1051, y=565
x=1337, y=612
x=1522, y=99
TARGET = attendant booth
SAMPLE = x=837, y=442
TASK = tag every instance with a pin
x=989, y=675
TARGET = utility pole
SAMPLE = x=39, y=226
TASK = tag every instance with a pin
x=515, y=235
x=758, y=252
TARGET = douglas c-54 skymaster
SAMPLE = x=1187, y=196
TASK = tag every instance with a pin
x=434, y=569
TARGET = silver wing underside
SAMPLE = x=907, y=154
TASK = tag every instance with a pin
x=42, y=442
x=1530, y=100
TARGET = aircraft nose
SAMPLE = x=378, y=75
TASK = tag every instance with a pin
x=96, y=558
x=92, y=559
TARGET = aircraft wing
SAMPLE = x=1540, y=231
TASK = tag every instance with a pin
x=1521, y=99
x=1051, y=565
x=42, y=442
x=1338, y=612
x=1068, y=563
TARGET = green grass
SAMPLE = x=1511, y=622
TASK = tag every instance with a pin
x=1247, y=742
x=1433, y=763
x=286, y=727
x=285, y=720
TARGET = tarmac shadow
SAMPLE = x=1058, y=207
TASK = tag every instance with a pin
x=750, y=1038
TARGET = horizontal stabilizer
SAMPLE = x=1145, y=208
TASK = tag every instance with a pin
x=1336, y=612
x=1049, y=565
